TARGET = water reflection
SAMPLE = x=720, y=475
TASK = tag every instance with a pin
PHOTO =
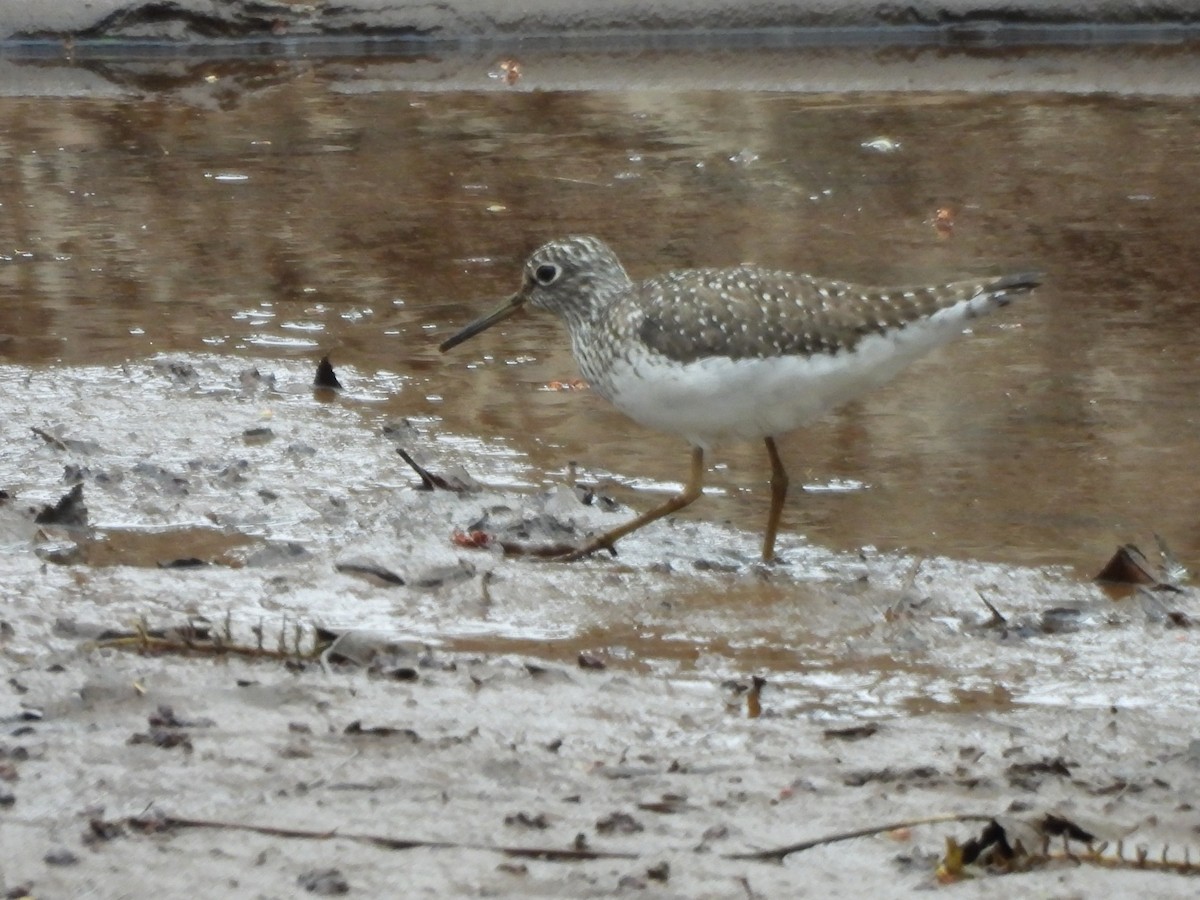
x=304, y=221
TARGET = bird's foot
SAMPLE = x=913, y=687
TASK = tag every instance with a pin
x=592, y=546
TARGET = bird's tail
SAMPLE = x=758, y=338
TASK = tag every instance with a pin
x=1004, y=288
x=969, y=299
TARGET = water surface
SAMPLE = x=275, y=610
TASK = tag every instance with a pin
x=303, y=220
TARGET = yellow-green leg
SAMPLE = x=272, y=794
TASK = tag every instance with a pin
x=691, y=491
x=779, y=489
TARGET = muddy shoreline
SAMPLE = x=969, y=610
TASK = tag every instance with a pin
x=173, y=717
x=617, y=731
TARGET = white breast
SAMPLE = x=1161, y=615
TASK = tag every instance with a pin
x=716, y=399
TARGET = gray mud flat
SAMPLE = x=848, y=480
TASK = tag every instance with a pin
x=892, y=693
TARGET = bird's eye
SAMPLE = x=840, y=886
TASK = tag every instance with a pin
x=546, y=274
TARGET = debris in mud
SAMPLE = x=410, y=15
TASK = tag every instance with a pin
x=477, y=539
x=619, y=823
x=168, y=482
x=252, y=380
x=670, y=804
x=324, y=882
x=197, y=637
x=1007, y=845
x=552, y=674
x=60, y=856
x=1174, y=572
x=374, y=572
x=943, y=221
x=70, y=510
x=779, y=854
x=155, y=822
x=435, y=576
x=525, y=820
x=544, y=528
x=852, y=733
x=474, y=540
x=100, y=831
x=1056, y=620
x=161, y=737
x=1015, y=842
x=588, y=660
x=457, y=481
x=234, y=473
x=379, y=654
x=375, y=650
x=401, y=431
x=1154, y=605
x=1128, y=565
x=326, y=377
x=164, y=717
x=61, y=552
x=277, y=554
x=260, y=434
x=166, y=730
x=916, y=776
x=1029, y=776
x=177, y=370
x=588, y=495
x=356, y=728
x=507, y=70
x=997, y=620
x=1063, y=619
x=574, y=384
x=55, y=439
x=751, y=692
x=183, y=562
x=754, y=697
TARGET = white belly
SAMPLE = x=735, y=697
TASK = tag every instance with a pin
x=716, y=399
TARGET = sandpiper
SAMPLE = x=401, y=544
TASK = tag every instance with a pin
x=737, y=353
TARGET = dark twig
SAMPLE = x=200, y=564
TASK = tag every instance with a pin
x=431, y=481
x=778, y=854
x=154, y=823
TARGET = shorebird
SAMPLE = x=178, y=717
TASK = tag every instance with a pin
x=741, y=353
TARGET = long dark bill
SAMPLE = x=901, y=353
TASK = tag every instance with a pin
x=501, y=312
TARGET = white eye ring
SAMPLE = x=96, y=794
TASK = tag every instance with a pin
x=546, y=274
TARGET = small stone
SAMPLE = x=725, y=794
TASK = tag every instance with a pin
x=60, y=856
x=325, y=882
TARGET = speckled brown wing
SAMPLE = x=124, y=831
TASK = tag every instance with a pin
x=753, y=313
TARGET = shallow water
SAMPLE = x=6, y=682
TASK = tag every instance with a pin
x=173, y=268
x=303, y=220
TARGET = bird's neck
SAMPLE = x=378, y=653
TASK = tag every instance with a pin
x=593, y=329
x=585, y=317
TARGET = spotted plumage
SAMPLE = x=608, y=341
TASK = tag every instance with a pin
x=737, y=353
x=754, y=313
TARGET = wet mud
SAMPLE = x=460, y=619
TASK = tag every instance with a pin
x=478, y=706
x=247, y=651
